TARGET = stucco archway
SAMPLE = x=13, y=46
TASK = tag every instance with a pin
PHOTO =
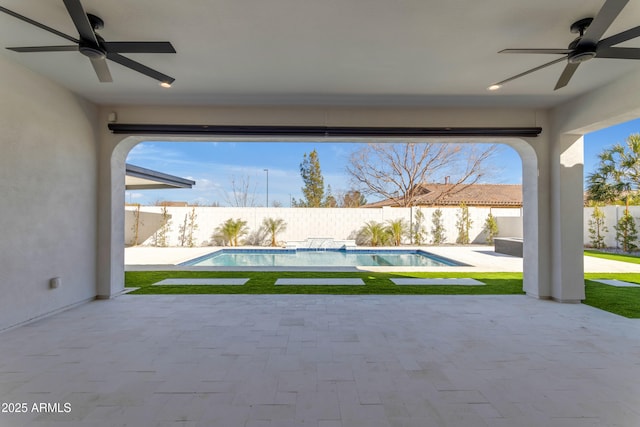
x=530, y=167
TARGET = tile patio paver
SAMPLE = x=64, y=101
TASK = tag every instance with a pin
x=325, y=361
x=321, y=282
x=217, y=282
x=438, y=282
x=617, y=283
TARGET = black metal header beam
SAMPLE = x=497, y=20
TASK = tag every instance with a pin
x=162, y=180
x=321, y=131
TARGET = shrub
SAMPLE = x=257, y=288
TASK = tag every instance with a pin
x=419, y=232
x=373, y=234
x=396, y=229
x=274, y=226
x=438, y=231
x=491, y=228
x=626, y=233
x=597, y=229
x=464, y=225
x=231, y=231
x=160, y=237
x=187, y=228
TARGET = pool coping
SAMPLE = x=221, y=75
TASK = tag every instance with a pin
x=449, y=262
x=480, y=258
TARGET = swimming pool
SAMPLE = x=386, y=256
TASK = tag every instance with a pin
x=324, y=258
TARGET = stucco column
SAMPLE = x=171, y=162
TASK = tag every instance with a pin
x=534, y=153
x=111, y=199
x=567, y=205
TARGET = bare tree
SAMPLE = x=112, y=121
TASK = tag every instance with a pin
x=241, y=194
x=395, y=171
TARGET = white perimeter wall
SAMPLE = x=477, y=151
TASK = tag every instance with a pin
x=343, y=223
x=611, y=216
x=302, y=223
x=48, y=181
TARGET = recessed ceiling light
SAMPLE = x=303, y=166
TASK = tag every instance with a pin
x=494, y=87
x=165, y=84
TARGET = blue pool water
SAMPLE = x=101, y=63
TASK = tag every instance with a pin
x=325, y=258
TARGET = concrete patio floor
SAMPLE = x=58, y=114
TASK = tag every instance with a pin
x=324, y=361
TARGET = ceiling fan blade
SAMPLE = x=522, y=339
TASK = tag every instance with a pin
x=39, y=25
x=540, y=67
x=619, y=53
x=80, y=20
x=139, y=47
x=44, y=49
x=620, y=37
x=542, y=51
x=101, y=69
x=136, y=66
x=609, y=12
x=566, y=75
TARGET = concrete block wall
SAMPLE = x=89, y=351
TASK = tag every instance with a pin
x=303, y=223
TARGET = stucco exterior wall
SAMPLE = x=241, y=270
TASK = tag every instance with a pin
x=48, y=181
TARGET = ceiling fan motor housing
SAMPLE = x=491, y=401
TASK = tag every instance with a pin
x=581, y=53
x=91, y=51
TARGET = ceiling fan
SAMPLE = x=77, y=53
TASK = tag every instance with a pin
x=587, y=46
x=94, y=47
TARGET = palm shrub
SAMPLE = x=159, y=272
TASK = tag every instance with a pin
x=373, y=234
x=438, y=232
x=396, y=229
x=626, y=233
x=274, y=226
x=464, y=225
x=231, y=230
x=491, y=228
x=597, y=229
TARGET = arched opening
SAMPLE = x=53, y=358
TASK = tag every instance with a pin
x=521, y=146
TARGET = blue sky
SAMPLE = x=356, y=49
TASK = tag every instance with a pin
x=213, y=165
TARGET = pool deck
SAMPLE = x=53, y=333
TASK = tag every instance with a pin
x=479, y=257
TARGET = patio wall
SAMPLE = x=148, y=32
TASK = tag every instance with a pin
x=302, y=223
x=48, y=213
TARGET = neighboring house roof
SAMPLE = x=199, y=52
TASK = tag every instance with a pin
x=494, y=195
x=138, y=178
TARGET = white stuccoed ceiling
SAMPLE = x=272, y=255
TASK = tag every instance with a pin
x=328, y=52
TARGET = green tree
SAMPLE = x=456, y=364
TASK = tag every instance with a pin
x=274, y=226
x=396, y=229
x=231, y=230
x=626, y=233
x=597, y=227
x=463, y=224
x=373, y=234
x=618, y=173
x=491, y=228
x=438, y=232
x=313, y=190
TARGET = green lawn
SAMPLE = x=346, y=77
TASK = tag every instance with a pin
x=614, y=257
x=622, y=301
x=376, y=283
